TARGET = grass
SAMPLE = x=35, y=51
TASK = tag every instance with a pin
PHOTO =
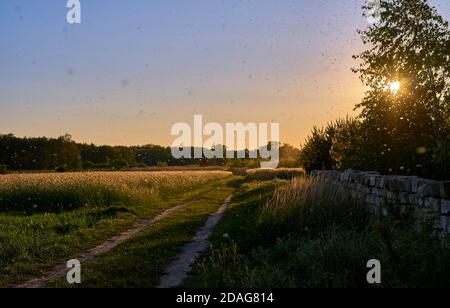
x=47, y=218
x=45, y=192
x=141, y=261
x=267, y=175
x=308, y=207
x=304, y=233
x=279, y=231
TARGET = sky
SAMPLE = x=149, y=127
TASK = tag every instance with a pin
x=132, y=69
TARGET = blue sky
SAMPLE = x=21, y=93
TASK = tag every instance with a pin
x=134, y=68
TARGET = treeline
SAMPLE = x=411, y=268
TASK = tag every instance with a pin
x=64, y=154
x=39, y=153
x=403, y=125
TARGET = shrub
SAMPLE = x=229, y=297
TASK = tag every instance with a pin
x=61, y=169
x=315, y=153
x=239, y=171
x=119, y=164
x=346, y=149
x=88, y=165
x=3, y=169
x=102, y=166
x=162, y=164
x=441, y=159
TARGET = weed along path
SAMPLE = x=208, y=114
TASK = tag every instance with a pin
x=178, y=270
x=110, y=244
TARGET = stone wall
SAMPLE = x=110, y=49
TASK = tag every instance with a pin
x=400, y=196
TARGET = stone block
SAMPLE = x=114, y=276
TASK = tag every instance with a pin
x=403, y=197
x=444, y=223
x=383, y=184
x=353, y=176
x=392, y=196
x=445, y=207
x=335, y=175
x=379, y=182
x=427, y=188
x=380, y=202
x=370, y=199
x=345, y=176
x=416, y=200
x=433, y=204
x=400, y=184
x=445, y=189
x=372, y=180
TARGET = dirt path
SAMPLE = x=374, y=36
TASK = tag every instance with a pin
x=61, y=270
x=178, y=270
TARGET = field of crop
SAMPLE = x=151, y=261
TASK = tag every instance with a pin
x=46, y=218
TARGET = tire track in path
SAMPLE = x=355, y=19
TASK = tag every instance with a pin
x=178, y=270
x=61, y=270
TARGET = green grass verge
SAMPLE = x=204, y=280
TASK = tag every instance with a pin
x=237, y=230
x=141, y=261
x=306, y=241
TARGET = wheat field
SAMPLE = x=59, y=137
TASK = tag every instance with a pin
x=61, y=191
x=49, y=217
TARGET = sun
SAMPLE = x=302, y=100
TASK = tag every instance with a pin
x=395, y=87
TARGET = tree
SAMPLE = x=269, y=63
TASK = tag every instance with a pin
x=409, y=45
x=347, y=145
x=119, y=164
x=289, y=156
x=315, y=152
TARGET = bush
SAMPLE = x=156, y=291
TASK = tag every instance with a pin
x=441, y=159
x=315, y=153
x=88, y=165
x=61, y=169
x=239, y=171
x=162, y=164
x=346, y=149
x=3, y=169
x=102, y=166
x=119, y=164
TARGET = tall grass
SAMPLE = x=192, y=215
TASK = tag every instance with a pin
x=56, y=192
x=267, y=175
x=310, y=206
